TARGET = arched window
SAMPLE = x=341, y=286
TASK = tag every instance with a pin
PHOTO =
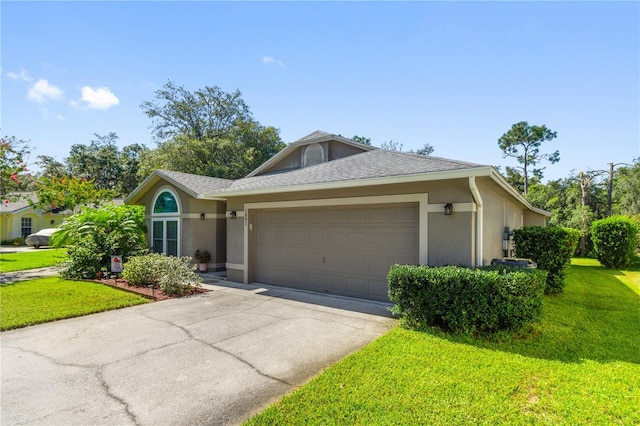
x=165, y=203
x=165, y=221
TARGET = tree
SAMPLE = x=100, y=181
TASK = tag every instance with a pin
x=68, y=193
x=50, y=167
x=427, y=150
x=130, y=158
x=207, y=132
x=98, y=161
x=523, y=142
x=391, y=145
x=203, y=114
x=626, y=189
x=104, y=163
x=362, y=139
x=13, y=167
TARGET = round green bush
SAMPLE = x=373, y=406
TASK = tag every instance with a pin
x=615, y=241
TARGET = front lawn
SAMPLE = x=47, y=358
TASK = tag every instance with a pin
x=41, y=300
x=580, y=365
x=10, y=262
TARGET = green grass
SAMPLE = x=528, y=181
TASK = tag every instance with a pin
x=10, y=262
x=41, y=300
x=580, y=365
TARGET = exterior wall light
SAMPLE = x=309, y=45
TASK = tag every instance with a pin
x=52, y=221
x=448, y=209
x=201, y=216
x=233, y=214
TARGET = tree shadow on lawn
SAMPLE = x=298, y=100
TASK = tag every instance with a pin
x=596, y=318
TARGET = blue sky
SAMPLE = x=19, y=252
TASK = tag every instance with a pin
x=455, y=75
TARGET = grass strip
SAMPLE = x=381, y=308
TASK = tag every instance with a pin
x=10, y=262
x=30, y=302
x=579, y=365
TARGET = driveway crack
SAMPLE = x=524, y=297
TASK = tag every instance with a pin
x=244, y=361
x=110, y=394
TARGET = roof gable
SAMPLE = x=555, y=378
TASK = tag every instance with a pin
x=194, y=185
x=292, y=157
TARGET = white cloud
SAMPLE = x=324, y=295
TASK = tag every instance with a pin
x=22, y=75
x=271, y=60
x=42, y=91
x=99, y=98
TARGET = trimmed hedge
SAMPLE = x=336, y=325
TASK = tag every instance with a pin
x=466, y=300
x=551, y=248
x=615, y=241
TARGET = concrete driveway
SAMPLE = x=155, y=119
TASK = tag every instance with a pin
x=213, y=359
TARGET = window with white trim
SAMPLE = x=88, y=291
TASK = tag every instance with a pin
x=165, y=220
x=26, y=226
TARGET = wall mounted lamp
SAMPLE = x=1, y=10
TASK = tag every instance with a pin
x=233, y=214
x=201, y=216
x=52, y=221
x=448, y=209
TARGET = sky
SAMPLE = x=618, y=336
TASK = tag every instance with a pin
x=455, y=75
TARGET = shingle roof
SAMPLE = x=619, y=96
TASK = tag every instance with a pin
x=367, y=165
x=196, y=184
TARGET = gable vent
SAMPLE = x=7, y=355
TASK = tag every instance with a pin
x=313, y=154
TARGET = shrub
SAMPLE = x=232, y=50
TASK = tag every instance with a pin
x=174, y=275
x=84, y=261
x=615, y=241
x=94, y=235
x=465, y=300
x=551, y=248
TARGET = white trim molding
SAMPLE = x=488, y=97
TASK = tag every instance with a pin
x=479, y=237
x=423, y=210
x=236, y=266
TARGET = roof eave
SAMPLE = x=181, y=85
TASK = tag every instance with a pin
x=388, y=180
x=500, y=180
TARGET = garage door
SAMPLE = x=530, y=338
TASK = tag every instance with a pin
x=342, y=250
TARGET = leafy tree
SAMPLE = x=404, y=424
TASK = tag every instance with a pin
x=68, y=193
x=523, y=142
x=13, y=167
x=104, y=163
x=362, y=139
x=99, y=161
x=50, y=167
x=626, y=189
x=427, y=150
x=130, y=158
x=205, y=113
x=207, y=132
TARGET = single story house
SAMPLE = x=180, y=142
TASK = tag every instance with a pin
x=332, y=215
x=19, y=219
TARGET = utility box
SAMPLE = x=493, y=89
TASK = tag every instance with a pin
x=515, y=261
x=116, y=264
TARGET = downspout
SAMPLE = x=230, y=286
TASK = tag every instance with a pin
x=479, y=219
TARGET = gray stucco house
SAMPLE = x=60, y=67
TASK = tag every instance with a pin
x=331, y=215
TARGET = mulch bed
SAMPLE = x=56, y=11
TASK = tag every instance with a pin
x=154, y=294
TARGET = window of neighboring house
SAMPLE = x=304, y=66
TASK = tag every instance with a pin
x=165, y=220
x=26, y=225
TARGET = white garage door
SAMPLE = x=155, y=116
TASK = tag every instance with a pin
x=344, y=250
